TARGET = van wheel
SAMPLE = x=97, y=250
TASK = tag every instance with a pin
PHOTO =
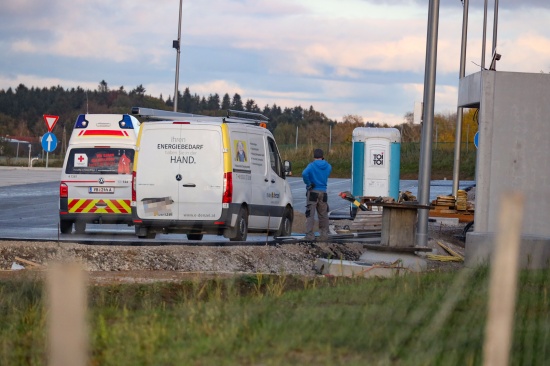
x=240, y=231
x=80, y=227
x=194, y=236
x=143, y=232
x=285, y=229
x=66, y=227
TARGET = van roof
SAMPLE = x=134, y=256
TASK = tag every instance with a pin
x=105, y=129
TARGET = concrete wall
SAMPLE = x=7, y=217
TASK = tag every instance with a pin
x=514, y=149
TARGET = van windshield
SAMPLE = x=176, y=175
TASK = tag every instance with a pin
x=100, y=161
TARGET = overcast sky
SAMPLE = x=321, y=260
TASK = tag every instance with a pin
x=360, y=57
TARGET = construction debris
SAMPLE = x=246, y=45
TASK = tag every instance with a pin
x=453, y=257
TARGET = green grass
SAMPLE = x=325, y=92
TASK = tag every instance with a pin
x=420, y=319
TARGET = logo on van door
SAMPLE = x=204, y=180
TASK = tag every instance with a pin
x=240, y=148
x=273, y=197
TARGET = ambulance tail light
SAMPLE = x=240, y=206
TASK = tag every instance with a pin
x=134, y=186
x=63, y=190
x=227, y=187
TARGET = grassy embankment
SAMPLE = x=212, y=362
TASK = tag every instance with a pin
x=419, y=319
x=340, y=159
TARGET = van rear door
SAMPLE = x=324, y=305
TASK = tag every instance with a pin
x=200, y=158
x=156, y=185
x=180, y=172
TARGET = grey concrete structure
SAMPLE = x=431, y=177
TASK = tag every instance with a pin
x=513, y=155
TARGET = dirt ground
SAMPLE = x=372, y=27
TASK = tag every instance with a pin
x=128, y=264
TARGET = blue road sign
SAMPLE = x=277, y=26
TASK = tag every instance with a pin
x=476, y=140
x=49, y=142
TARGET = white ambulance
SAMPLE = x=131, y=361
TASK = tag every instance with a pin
x=96, y=178
x=209, y=175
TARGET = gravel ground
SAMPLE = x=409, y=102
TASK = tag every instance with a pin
x=112, y=264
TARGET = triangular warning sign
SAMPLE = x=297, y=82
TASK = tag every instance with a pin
x=50, y=121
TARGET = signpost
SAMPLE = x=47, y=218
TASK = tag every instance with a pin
x=50, y=121
x=49, y=141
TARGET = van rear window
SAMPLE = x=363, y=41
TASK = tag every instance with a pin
x=100, y=161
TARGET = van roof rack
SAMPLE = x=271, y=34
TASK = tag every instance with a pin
x=160, y=114
x=233, y=116
x=245, y=117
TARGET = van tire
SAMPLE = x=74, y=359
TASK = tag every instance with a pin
x=194, y=236
x=240, y=231
x=66, y=227
x=79, y=227
x=285, y=229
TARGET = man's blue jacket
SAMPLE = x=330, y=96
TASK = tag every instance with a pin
x=315, y=175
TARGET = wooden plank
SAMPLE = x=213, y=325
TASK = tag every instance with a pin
x=383, y=248
x=398, y=227
x=367, y=221
x=30, y=263
x=463, y=216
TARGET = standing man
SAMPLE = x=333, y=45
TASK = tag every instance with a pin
x=315, y=176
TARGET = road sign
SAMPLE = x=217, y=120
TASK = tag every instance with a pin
x=50, y=121
x=49, y=142
x=476, y=140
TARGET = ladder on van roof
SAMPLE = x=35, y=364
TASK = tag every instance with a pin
x=232, y=115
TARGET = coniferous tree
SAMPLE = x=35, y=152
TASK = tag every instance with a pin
x=213, y=103
x=237, y=103
x=226, y=102
x=187, y=101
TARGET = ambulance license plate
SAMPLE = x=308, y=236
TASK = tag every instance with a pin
x=101, y=190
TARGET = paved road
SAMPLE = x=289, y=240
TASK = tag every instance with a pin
x=29, y=207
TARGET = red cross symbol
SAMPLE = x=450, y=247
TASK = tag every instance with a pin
x=80, y=158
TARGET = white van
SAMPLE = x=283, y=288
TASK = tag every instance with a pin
x=209, y=175
x=96, y=178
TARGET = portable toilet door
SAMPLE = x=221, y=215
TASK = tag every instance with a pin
x=375, y=162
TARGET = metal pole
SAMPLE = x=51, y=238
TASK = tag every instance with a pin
x=484, y=36
x=177, y=63
x=296, y=138
x=330, y=138
x=467, y=138
x=427, y=127
x=495, y=26
x=459, y=110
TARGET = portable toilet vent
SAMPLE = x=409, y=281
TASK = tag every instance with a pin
x=375, y=162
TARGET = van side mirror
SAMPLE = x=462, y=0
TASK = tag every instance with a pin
x=288, y=168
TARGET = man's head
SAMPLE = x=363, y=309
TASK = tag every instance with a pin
x=318, y=154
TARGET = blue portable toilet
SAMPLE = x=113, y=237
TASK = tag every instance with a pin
x=376, y=158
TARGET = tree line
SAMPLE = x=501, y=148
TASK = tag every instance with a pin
x=22, y=108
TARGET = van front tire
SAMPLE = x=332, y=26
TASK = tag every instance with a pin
x=240, y=231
